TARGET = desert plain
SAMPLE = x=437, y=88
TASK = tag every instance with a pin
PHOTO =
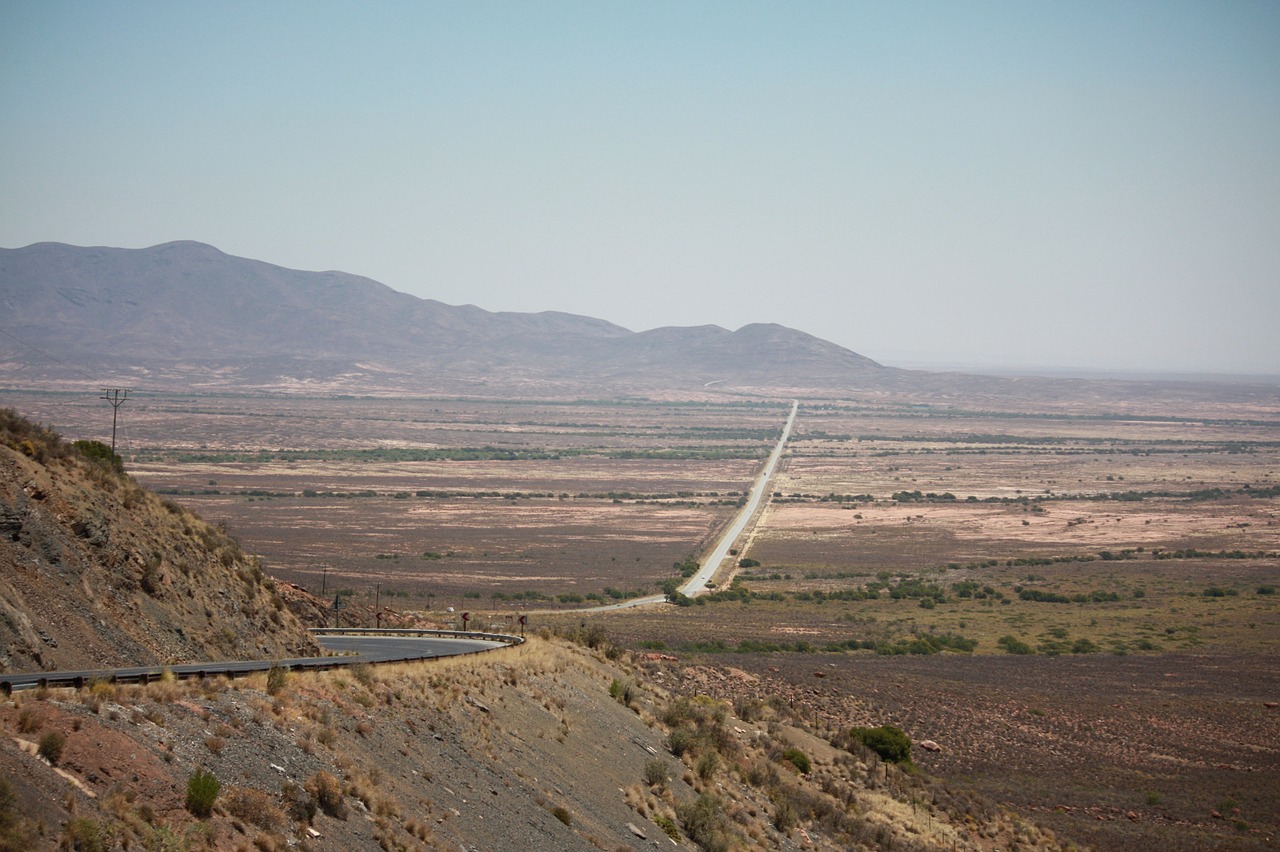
x=1077, y=602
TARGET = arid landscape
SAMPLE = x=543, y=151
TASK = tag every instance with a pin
x=1078, y=608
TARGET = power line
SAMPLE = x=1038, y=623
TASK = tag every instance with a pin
x=55, y=360
x=117, y=397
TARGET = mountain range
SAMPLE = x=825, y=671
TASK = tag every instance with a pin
x=184, y=316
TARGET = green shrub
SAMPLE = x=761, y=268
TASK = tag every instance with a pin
x=622, y=691
x=277, y=679
x=890, y=743
x=51, y=746
x=1013, y=645
x=798, y=759
x=703, y=821
x=83, y=835
x=15, y=832
x=669, y=827
x=99, y=452
x=202, y=792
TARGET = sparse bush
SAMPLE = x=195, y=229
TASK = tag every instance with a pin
x=681, y=740
x=254, y=807
x=15, y=833
x=656, y=772
x=668, y=826
x=277, y=679
x=51, y=746
x=28, y=721
x=563, y=815
x=152, y=578
x=703, y=821
x=327, y=792
x=202, y=791
x=83, y=835
x=298, y=803
x=622, y=691
x=363, y=673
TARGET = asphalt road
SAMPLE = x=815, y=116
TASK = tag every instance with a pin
x=354, y=647
x=698, y=582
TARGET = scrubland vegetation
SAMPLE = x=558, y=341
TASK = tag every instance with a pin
x=1077, y=611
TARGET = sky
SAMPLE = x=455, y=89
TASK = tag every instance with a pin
x=1087, y=185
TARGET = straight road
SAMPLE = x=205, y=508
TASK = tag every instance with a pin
x=698, y=582
x=709, y=565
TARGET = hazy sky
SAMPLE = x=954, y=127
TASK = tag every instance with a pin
x=1087, y=184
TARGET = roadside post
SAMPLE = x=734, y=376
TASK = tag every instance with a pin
x=524, y=619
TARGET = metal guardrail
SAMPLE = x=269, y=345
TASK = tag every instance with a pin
x=508, y=638
x=199, y=671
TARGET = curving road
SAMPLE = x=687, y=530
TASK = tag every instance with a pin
x=355, y=646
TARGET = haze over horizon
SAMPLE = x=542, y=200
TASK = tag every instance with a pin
x=1080, y=186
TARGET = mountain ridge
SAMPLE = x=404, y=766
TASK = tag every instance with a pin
x=156, y=307
x=185, y=316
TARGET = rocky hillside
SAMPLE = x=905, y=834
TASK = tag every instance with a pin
x=96, y=572
x=565, y=744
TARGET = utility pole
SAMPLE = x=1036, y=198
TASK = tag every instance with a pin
x=115, y=396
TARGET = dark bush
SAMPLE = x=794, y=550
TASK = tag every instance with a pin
x=798, y=759
x=890, y=743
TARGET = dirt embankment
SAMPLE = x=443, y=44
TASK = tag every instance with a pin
x=551, y=745
x=96, y=572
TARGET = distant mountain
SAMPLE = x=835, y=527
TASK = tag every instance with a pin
x=184, y=314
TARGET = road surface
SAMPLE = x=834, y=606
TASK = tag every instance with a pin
x=709, y=565
x=698, y=582
x=355, y=646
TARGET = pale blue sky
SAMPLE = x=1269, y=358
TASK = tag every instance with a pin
x=1062, y=184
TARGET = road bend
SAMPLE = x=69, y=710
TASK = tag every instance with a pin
x=354, y=646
